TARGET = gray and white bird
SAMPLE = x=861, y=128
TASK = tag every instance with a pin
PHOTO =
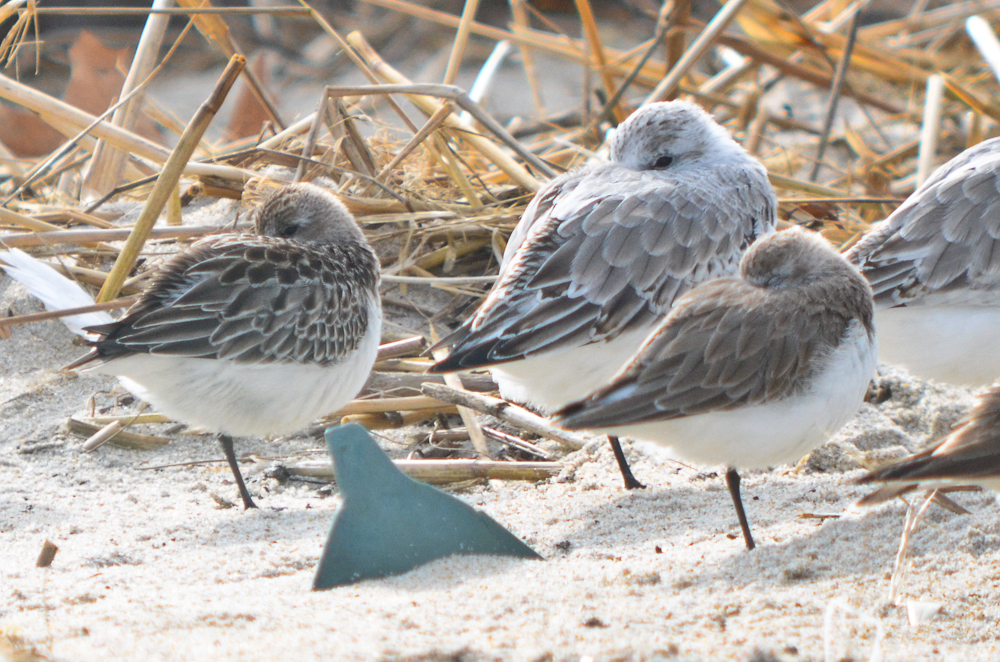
x=749, y=371
x=970, y=455
x=934, y=265
x=603, y=252
x=254, y=334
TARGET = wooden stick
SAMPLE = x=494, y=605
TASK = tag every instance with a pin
x=506, y=411
x=439, y=472
x=168, y=178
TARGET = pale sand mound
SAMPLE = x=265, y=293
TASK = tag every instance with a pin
x=149, y=568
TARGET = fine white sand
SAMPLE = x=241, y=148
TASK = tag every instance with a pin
x=149, y=567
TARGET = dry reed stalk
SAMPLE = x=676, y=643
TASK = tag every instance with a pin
x=930, y=128
x=680, y=14
x=405, y=347
x=392, y=420
x=596, y=49
x=432, y=123
x=117, y=304
x=55, y=112
x=132, y=419
x=900, y=567
x=518, y=443
x=290, y=11
x=376, y=406
x=123, y=439
x=520, y=15
x=696, y=51
x=26, y=222
x=558, y=45
x=472, y=426
x=461, y=39
x=482, y=144
x=359, y=62
x=792, y=184
x=947, y=14
x=805, y=73
x=57, y=237
x=835, y=87
x=454, y=172
x=441, y=472
x=168, y=179
x=974, y=101
x=215, y=30
x=505, y=411
x=395, y=382
x=108, y=163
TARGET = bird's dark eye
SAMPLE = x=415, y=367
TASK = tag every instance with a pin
x=663, y=162
x=288, y=230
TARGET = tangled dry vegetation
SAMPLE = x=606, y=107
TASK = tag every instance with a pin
x=847, y=117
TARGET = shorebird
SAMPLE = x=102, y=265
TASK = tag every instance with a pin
x=751, y=371
x=970, y=455
x=934, y=265
x=602, y=253
x=254, y=334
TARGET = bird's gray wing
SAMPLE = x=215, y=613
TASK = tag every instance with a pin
x=971, y=452
x=942, y=245
x=609, y=249
x=252, y=299
x=725, y=345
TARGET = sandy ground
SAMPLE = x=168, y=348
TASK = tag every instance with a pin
x=149, y=567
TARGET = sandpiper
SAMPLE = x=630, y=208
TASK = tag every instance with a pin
x=602, y=253
x=254, y=334
x=970, y=455
x=934, y=265
x=751, y=371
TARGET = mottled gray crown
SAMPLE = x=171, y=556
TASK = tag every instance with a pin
x=306, y=212
x=791, y=258
x=672, y=134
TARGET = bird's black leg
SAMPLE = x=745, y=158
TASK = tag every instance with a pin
x=630, y=482
x=227, y=447
x=733, y=481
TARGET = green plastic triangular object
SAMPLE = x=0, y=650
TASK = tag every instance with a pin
x=389, y=523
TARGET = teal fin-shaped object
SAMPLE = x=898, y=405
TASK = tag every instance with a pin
x=389, y=523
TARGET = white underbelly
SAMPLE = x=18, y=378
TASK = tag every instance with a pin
x=958, y=345
x=774, y=433
x=242, y=399
x=550, y=381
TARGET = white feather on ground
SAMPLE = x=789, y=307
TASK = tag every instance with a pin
x=55, y=291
